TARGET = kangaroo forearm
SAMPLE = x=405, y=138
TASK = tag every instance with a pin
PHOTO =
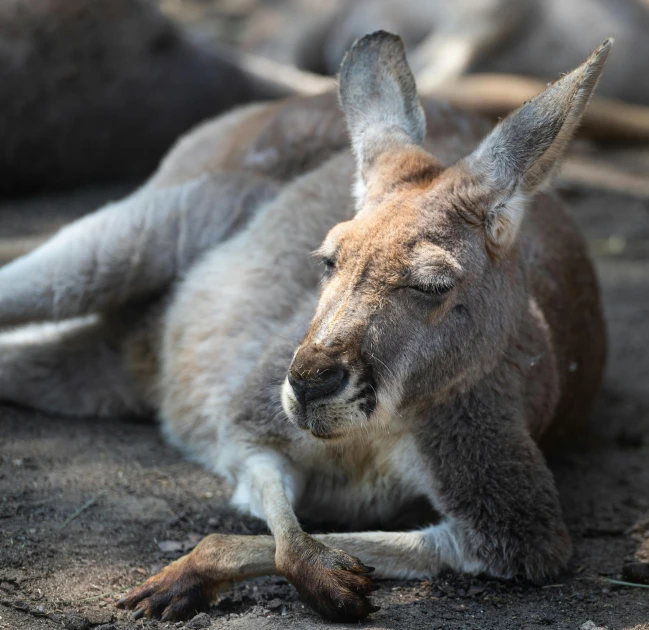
x=498, y=490
x=233, y=558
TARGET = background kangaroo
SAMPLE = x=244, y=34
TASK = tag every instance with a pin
x=447, y=39
x=458, y=320
x=98, y=91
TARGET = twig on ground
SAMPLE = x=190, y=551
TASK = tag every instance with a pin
x=623, y=583
x=607, y=580
x=602, y=176
x=85, y=506
x=495, y=95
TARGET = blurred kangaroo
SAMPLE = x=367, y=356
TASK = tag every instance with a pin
x=454, y=321
x=94, y=91
x=446, y=39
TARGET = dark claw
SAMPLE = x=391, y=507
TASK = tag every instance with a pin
x=137, y=614
x=121, y=603
x=374, y=609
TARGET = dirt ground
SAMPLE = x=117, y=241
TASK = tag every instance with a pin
x=89, y=508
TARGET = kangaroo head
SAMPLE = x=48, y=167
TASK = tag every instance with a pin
x=425, y=285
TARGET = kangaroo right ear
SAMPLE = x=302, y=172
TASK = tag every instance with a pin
x=379, y=97
x=519, y=157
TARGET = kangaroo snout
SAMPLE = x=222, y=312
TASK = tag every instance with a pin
x=326, y=392
x=316, y=373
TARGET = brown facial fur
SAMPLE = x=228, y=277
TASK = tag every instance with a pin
x=415, y=230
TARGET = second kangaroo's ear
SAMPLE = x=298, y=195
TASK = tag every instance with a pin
x=379, y=97
x=521, y=154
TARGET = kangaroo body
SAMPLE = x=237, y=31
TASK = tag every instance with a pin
x=208, y=296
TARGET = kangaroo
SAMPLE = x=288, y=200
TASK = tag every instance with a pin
x=446, y=40
x=452, y=323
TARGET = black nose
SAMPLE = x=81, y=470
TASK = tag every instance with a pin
x=309, y=385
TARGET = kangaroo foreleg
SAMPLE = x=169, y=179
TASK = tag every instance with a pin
x=336, y=584
x=189, y=584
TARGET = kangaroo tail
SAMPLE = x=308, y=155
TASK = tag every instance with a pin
x=128, y=250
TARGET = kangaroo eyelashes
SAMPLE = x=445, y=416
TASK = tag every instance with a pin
x=436, y=290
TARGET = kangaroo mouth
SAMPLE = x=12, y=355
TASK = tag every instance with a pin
x=316, y=426
x=326, y=436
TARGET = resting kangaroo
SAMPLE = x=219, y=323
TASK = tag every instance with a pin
x=457, y=322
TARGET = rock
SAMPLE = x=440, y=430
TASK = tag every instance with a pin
x=274, y=604
x=170, y=546
x=591, y=625
x=176, y=546
x=75, y=622
x=202, y=620
x=99, y=617
x=105, y=626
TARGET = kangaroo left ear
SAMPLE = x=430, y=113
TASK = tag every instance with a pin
x=379, y=97
x=522, y=153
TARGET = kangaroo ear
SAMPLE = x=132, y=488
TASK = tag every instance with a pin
x=521, y=154
x=379, y=97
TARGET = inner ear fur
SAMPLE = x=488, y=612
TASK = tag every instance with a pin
x=519, y=157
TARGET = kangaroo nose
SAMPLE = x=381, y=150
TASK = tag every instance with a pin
x=315, y=374
x=312, y=388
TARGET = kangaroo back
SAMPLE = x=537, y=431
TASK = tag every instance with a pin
x=207, y=188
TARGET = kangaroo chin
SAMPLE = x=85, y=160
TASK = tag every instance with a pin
x=448, y=322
